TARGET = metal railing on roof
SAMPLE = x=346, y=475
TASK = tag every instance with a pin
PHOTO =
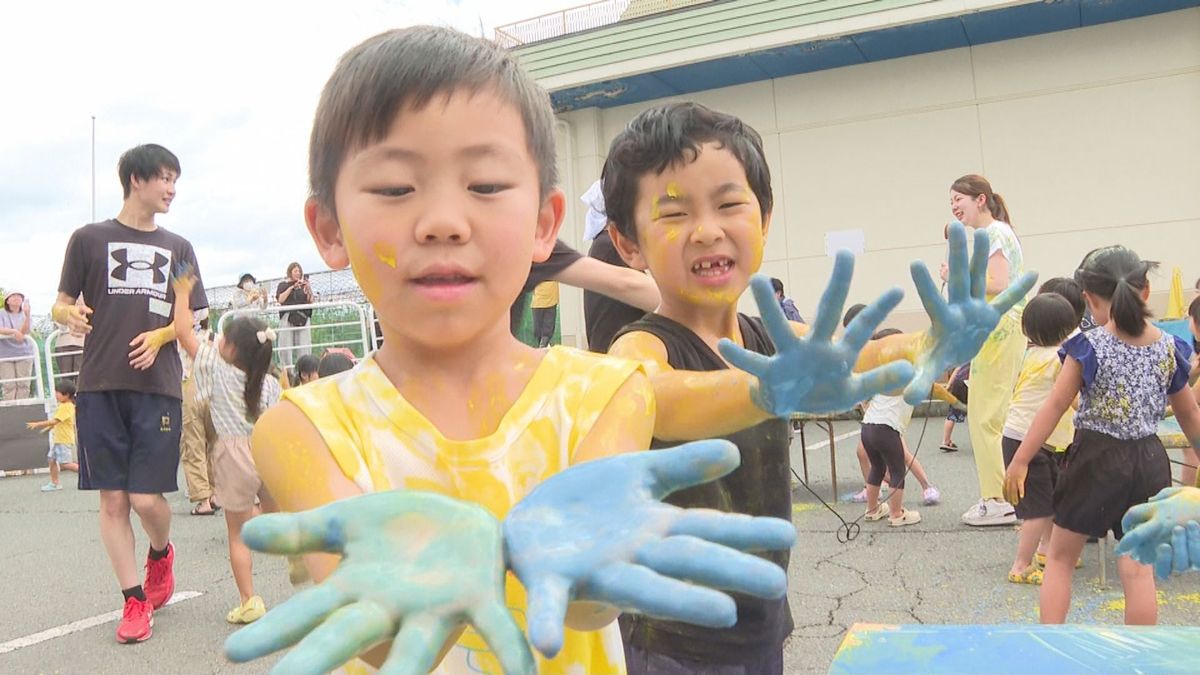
x=582, y=18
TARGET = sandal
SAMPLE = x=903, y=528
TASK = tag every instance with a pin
x=1031, y=575
x=948, y=447
x=879, y=513
x=251, y=611
x=906, y=518
x=212, y=509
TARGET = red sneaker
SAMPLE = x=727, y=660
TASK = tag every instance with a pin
x=160, y=578
x=137, y=622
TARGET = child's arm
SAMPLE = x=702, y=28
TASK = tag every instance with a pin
x=181, y=327
x=1066, y=388
x=44, y=425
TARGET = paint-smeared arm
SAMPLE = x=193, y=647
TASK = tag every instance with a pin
x=621, y=283
x=184, y=319
x=71, y=315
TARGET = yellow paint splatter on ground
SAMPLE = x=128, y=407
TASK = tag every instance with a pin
x=801, y=507
x=1118, y=605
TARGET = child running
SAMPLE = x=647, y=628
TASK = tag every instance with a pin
x=61, y=426
x=232, y=377
x=1048, y=320
x=1125, y=372
x=883, y=425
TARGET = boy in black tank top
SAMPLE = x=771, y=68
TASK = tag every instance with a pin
x=697, y=185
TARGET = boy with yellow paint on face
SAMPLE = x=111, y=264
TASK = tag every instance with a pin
x=687, y=193
x=432, y=174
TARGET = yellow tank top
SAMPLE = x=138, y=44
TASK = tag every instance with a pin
x=381, y=442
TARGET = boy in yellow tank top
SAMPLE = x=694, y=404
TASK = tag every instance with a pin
x=432, y=173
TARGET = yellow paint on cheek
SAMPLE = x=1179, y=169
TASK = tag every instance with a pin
x=386, y=254
x=655, y=212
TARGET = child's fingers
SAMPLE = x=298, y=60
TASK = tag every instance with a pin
x=772, y=315
x=735, y=530
x=417, y=645
x=867, y=322
x=833, y=299
x=743, y=359
x=548, y=597
x=930, y=295
x=316, y=531
x=495, y=623
x=690, y=464
x=1192, y=532
x=645, y=591
x=697, y=561
x=1163, y=561
x=286, y=624
x=347, y=632
x=1013, y=294
x=958, y=282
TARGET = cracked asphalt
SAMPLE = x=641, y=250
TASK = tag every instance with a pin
x=53, y=571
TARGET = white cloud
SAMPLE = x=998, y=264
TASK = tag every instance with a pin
x=229, y=86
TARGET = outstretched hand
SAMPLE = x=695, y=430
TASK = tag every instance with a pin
x=1164, y=532
x=814, y=374
x=961, y=325
x=414, y=567
x=598, y=532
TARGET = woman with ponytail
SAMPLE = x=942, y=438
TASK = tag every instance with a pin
x=232, y=377
x=994, y=370
x=1125, y=372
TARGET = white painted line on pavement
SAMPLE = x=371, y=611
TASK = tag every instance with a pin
x=82, y=624
x=842, y=437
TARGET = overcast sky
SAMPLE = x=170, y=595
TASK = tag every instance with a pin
x=229, y=86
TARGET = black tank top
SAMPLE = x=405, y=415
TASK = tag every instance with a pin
x=760, y=486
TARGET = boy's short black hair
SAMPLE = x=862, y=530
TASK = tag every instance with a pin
x=672, y=134
x=333, y=363
x=1069, y=289
x=66, y=387
x=408, y=68
x=777, y=284
x=851, y=313
x=1194, y=310
x=146, y=162
x=1048, y=319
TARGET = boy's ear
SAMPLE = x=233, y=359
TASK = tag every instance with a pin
x=627, y=248
x=326, y=234
x=766, y=226
x=549, y=222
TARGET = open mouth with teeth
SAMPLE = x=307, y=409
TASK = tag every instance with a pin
x=712, y=267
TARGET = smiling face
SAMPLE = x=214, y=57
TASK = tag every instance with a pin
x=970, y=211
x=700, y=231
x=156, y=193
x=441, y=219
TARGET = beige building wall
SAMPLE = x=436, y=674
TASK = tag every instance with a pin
x=1092, y=136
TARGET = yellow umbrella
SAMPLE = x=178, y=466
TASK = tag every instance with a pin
x=1175, y=306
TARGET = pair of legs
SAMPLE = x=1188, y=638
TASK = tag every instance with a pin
x=1141, y=603
x=993, y=375
x=1034, y=537
x=240, y=558
x=886, y=454
x=116, y=529
x=196, y=438
x=911, y=463
x=55, y=466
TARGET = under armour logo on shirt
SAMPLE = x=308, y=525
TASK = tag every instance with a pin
x=138, y=269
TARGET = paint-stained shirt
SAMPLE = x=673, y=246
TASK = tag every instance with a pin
x=381, y=442
x=760, y=486
x=1002, y=239
x=1125, y=387
x=1039, y=369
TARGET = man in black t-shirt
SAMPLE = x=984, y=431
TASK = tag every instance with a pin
x=128, y=412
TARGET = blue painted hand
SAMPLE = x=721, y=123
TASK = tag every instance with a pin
x=599, y=533
x=960, y=326
x=814, y=374
x=415, y=566
x=1164, y=532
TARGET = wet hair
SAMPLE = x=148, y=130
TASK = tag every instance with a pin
x=145, y=162
x=973, y=185
x=306, y=365
x=777, y=284
x=251, y=357
x=333, y=363
x=886, y=332
x=851, y=313
x=1068, y=289
x=1048, y=319
x=1194, y=310
x=405, y=69
x=66, y=387
x=671, y=135
x=1118, y=275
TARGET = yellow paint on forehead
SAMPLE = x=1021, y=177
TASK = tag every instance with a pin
x=386, y=254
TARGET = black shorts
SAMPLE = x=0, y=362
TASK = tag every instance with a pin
x=128, y=441
x=1038, y=501
x=1103, y=477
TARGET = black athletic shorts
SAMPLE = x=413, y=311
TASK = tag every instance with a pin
x=1038, y=501
x=128, y=441
x=1103, y=477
